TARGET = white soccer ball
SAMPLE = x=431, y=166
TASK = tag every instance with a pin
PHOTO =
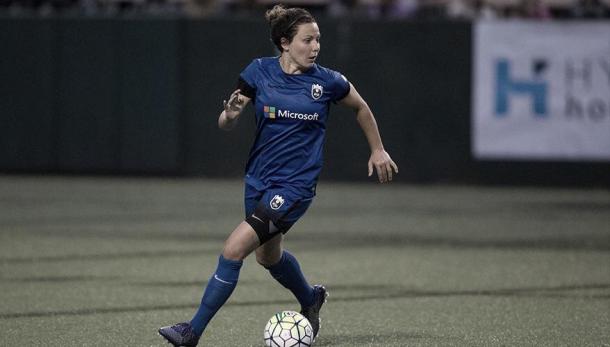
x=288, y=329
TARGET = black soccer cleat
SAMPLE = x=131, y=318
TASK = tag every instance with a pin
x=181, y=334
x=312, y=313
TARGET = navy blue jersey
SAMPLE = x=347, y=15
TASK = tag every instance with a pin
x=291, y=114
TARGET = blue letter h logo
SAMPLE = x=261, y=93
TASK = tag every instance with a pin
x=505, y=86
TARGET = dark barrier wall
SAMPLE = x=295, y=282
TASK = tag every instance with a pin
x=142, y=96
x=91, y=95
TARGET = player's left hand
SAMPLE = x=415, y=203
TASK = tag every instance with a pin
x=235, y=105
x=383, y=164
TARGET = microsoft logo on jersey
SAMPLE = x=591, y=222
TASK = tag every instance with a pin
x=270, y=112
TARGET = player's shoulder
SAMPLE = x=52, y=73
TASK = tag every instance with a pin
x=328, y=73
x=257, y=68
x=262, y=62
x=334, y=81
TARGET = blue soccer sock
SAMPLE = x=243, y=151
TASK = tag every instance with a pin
x=217, y=292
x=288, y=272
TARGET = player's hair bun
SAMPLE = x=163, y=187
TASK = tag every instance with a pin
x=272, y=15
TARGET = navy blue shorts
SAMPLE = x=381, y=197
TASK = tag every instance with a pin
x=283, y=206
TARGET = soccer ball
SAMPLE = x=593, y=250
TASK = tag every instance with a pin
x=288, y=329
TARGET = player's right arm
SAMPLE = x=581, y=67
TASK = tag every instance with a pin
x=232, y=109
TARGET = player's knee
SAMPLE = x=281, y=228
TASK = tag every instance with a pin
x=263, y=261
x=267, y=259
x=233, y=251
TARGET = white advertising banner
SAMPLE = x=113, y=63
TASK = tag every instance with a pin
x=541, y=91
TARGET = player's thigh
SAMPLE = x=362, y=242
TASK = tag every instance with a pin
x=242, y=241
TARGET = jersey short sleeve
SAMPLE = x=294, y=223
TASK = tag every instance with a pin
x=250, y=73
x=245, y=88
x=340, y=86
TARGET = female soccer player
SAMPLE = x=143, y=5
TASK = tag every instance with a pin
x=291, y=95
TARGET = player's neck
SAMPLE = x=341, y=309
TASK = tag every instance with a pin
x=289, y=66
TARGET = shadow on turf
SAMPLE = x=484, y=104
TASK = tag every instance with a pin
x=112, y=220
x=61, y=279
x=81, y=257
x=381, y=292
x=368, y=339
x=355, y=241
x=567, y=291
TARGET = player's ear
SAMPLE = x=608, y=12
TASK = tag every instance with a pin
x=285, y=44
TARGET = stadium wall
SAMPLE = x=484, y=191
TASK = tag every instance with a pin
x=142, y=96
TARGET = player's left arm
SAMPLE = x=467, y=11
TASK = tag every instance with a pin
x=379, y=159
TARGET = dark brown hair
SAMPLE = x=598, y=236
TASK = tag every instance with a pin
x=285, y=22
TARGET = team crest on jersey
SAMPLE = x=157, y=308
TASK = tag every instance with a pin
x=276, y=202
x=316, y=91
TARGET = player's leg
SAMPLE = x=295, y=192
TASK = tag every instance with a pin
x=285, y=268
x=282, y=265
x=270, y=252
x=238, y=246
x=242, y=241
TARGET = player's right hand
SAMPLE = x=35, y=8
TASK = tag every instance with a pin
x=235, y=105
x=382, y=163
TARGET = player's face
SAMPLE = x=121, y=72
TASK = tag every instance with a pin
x=305, y=46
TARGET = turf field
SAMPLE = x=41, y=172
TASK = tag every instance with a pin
x=106, y=261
